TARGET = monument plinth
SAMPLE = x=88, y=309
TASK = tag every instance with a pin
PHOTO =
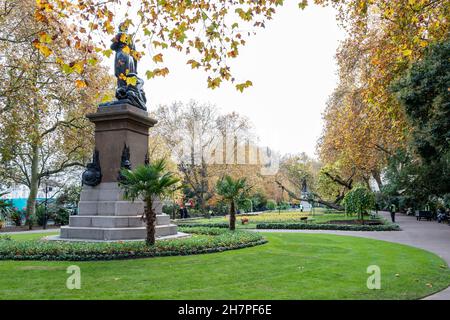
x=116, y=126
x=121, y=141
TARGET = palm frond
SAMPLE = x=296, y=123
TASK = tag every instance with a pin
x=147, y=181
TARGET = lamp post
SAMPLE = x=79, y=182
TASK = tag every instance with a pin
x=47, y=190
x=251, y=204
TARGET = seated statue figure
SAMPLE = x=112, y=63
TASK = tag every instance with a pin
x=125, y=66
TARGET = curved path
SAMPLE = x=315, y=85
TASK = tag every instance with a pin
x=427, y=235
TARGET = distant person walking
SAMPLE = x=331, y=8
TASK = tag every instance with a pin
x=392, y=209
x=181, y=212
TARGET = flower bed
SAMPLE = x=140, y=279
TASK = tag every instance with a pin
x=326, y=226
x=204, y=240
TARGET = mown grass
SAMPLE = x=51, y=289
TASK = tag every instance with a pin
x=290, y=266
x=319, y=216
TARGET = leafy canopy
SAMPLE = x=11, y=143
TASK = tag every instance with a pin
x=209, y=32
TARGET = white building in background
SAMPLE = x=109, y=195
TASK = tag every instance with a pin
x=21, y=191
x=19, y=195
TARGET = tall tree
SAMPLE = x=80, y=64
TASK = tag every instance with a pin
x=206, y=146
x=424, y=93
x=364, y=122
x=189, y=133
x=43, y=131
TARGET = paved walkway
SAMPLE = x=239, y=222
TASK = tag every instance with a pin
x=428, y=235
x=32, y=231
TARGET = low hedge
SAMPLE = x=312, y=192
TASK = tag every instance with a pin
x=207, y=225
x=204, y=240
x=323, y=226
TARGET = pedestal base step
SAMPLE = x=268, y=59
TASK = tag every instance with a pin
x=178, y=235
x=107, y=234
x=113, y=221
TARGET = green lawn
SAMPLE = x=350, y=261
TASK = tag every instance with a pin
x=290, y=266
x=320, y=215
x=31, y=236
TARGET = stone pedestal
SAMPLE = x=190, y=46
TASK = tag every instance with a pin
x=103, y=214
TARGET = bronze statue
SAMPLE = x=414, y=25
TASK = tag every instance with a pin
x=92, y=176
x=125, y=66
x=125, y=162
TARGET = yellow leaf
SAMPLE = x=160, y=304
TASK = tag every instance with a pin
x=45, y=38
x=158, y=58
x=80, y=84
x=132, y=81
x=126, y=50
x=242, y=86
x=107, y=98
x=194, y=64
x=150, y=74
x=46, y=51
x=78, y=67
x=107, y=53
x=214, y=83
x=124, y=38
x=423, y=43
x=407, y=52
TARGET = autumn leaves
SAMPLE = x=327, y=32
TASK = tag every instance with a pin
x=209, y=33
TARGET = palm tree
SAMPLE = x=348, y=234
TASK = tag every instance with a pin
x=148, y=182
x=232, y=191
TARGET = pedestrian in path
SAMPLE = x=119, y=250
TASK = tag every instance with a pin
x=392, y=209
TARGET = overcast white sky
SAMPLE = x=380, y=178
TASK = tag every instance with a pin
x=291, y=64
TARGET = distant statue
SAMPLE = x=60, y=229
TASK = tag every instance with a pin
x=304, y=186
x=125, y=68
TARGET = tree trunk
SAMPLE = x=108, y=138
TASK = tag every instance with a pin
x=367, y=182
x=34, y=186
x=376, y=175
x=232, y=216
x=150, y=218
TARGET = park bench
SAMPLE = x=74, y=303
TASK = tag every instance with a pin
x=306, y=219
x=424, y=215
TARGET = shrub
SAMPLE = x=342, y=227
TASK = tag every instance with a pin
x=16, y=218
x=359, y=200
x=283, y=206
x=171, y=209
x=314, y=226
x=204, y=240
x=5, y=237
x=271, y=204
x=40, y=215
x=61, y=216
